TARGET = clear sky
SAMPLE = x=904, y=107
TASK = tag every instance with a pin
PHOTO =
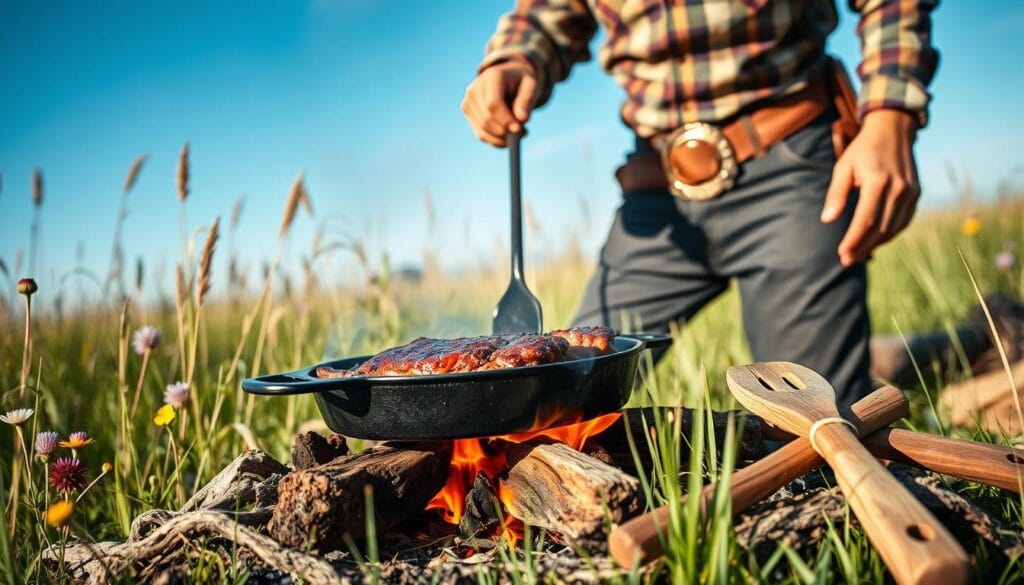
x=364, y=96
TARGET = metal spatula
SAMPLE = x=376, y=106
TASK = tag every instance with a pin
x=518, y=311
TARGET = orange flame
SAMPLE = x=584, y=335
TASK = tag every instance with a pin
x=471, y=456
x=511, y=527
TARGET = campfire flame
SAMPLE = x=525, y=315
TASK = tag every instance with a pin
x=472, y=456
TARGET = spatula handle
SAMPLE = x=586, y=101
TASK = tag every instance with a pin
x=993, y=465
x=640, y=540
x=915, y=547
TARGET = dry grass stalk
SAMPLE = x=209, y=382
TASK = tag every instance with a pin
x=133, y=172
x=183, y=173
x=428, y=209
x=180, y=286
x=236, y=211
x=139, y=273
x=206, y=260
x=296, y=196
x=37, y=187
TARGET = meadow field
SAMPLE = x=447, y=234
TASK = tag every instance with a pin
x=104, y=368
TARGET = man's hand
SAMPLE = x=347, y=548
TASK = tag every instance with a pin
x=488, y=99
x=879, y=161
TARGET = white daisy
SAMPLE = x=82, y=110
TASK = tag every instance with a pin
x=17, y=416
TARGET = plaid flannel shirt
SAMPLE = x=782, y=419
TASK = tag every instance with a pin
x=708, y=60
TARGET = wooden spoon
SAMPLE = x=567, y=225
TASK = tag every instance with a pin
x=994, y=465
x=915, y=547
x=639, y=541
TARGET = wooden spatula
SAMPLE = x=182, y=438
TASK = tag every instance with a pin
x=518, y=311
x=639, y=541
x=915, y=547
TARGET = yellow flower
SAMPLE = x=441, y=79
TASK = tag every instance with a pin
x=971, y=226
x=164, y=416
x=107, y=468
x=59, y=512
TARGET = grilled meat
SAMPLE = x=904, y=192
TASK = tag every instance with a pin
x=424, y=356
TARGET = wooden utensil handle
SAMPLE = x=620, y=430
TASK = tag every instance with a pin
x=639, y=540
x=913, y=544
x=993, y=465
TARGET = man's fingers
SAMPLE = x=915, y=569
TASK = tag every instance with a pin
x=494, y=103
x=865, y=219
x=479, y=121
x=838, y=192
x=526, y=97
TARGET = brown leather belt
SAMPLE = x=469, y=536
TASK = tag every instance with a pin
x=699, y=161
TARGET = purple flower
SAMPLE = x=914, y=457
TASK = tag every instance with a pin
x=67, y=474
x=146, y=338
x=1004, y=260
x=46, y=443
x=176, y=394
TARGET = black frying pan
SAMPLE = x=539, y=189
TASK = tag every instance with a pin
x=472, y=404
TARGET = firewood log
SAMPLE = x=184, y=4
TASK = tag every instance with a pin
x=569, y=493
x=317, y=507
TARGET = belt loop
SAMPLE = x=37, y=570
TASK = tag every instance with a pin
x=752, y=136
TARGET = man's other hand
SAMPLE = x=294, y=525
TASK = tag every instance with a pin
x=499, y=100
x=880, y=161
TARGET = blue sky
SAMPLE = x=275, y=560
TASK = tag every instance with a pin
x=364, y=97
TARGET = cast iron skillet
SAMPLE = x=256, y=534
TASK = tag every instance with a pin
x=472, y=404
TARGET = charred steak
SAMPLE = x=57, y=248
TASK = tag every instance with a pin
x=424, y=356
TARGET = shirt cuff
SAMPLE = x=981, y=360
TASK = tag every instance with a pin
x=888, y=92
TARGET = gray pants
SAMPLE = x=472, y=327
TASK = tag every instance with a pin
x=665, y=258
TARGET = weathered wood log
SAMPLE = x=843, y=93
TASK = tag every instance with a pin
x=238, y=484
x=639, y=422
x=319, y=506
x=569, y=493
x=166, y=550
x=968, y=400
x=311, y=449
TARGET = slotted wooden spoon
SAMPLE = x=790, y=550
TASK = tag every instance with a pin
x=639, y=541
x=915, y=547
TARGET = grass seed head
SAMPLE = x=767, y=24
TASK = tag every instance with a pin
x=37, y=187
x=133, y=172
x=183, y=174
x=296, y=196
x=206, y=261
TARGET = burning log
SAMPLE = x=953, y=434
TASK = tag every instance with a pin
x=319, y=506
x=480, y=514
x=557, y=488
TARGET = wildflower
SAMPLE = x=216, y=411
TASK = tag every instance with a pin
x=107, y=467
x=164, y=416
x=27, y=286
x=1004, y=260
x=176, y=394
x=77, y=440
x=46, y=444
x=59, y=512
x=971, y=226
x=17, y=416
x=67, y=474
x=146, y=338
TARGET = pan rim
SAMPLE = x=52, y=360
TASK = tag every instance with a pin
x=635, y=346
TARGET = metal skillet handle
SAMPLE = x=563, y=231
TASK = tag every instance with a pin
x=651, y=340
x=297, y=382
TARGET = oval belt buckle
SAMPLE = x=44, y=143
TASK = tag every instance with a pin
x=688, y=136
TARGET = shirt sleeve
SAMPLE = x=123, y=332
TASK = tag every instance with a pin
x=899, y=60
x=552, y=35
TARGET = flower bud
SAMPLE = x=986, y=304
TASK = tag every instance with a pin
x=27, y=286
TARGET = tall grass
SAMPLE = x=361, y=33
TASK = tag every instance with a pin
x=85, y=372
